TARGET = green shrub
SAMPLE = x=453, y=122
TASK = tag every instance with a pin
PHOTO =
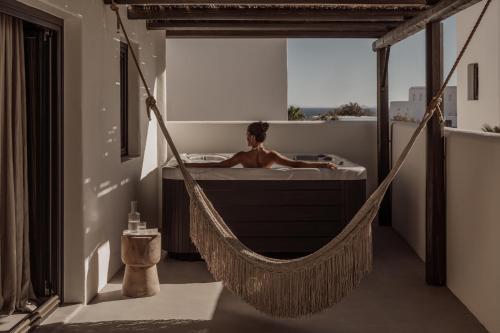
x=488, y=128
x=295, y=113
x=329, y=116
x=350, y=109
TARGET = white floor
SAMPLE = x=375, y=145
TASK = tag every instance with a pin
x=394, y=298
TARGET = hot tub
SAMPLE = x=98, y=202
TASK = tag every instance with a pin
x=280, y=212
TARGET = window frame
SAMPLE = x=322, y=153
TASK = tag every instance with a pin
x=124, y=101
x=473, y=82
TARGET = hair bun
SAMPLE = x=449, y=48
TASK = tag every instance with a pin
x=258, y=129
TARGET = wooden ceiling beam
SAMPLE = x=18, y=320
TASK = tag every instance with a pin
x=270, y=25
x=270, y=34
x=442, y=10
x=269, y=14
x=272, y=2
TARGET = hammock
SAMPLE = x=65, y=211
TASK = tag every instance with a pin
x=296, y=287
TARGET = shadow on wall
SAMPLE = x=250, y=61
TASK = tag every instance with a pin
x=97, y=268
x=148, y=180
x=154, y=153
x=112, y=183
x=148, y=199
x=102, y=230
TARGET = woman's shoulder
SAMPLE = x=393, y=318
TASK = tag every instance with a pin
x=272, y=152
x=239, y=155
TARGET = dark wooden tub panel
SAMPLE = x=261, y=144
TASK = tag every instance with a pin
x=293, y=229
x=291, y=245
x=270, y=217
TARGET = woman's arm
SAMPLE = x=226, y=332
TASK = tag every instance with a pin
x=283, y=160
x=229, y=163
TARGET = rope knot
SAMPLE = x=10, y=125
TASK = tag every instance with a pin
x=435, y=107
x=436, y=102
x=114, y=7
x=150, y=104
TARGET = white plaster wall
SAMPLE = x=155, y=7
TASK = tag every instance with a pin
x=484, y=49
x=473, y=226
x=473, y=223
x=408, y=189
x=226, y=79
x=354, y=140
x=98, y=186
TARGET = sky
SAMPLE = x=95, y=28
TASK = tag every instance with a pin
x=330, y=72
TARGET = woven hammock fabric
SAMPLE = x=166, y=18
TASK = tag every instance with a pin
x=295, y=287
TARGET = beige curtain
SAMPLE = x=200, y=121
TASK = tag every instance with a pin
x=15, y=285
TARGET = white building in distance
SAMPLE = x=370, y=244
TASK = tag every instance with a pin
x=414, y=108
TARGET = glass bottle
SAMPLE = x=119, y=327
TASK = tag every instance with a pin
x=141, y=227
x=134, y=217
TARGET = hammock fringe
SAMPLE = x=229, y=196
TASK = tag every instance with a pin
x=290, y=293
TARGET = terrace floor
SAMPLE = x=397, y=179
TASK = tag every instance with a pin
x=394, y=298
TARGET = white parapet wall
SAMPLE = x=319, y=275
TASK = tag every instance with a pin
x=473, y=210
x=354, y=140
x=408, y=189
x=473, y=222
x=226, y=79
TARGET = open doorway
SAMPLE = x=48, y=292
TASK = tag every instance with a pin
x=41, y=62
x=43, y=140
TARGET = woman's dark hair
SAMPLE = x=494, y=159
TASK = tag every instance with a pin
x=259, y=130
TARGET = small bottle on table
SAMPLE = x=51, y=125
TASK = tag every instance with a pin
x=134, y=218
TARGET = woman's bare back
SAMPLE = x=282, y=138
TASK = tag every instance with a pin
x=261, y=158
x=257, y=158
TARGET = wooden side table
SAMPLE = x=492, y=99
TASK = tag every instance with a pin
x=140, y=254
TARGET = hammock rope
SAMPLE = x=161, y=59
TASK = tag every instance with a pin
x=295, y=287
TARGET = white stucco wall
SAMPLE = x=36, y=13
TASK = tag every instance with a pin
x=484, y=49
x=408, y=189
x=226, y=79
x=473, y=226
x=354, y=140
x=473, y=223
x=97, y=185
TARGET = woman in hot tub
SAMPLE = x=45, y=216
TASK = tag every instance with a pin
x=259, y=156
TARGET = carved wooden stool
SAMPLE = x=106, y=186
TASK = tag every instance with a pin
x=140, y=254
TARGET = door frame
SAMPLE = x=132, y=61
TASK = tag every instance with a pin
x=46, y=20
